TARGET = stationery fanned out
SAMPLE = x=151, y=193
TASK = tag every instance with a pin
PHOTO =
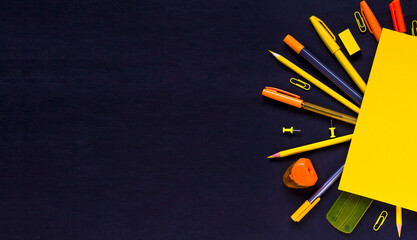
x=382, y=159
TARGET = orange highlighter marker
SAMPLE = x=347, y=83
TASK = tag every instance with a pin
x=397, y=16
x=370, y=20
x=294, y=100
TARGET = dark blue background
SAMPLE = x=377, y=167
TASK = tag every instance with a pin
x=145, y=120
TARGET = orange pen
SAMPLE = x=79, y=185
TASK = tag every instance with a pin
x=370, y=20
x=294, y=100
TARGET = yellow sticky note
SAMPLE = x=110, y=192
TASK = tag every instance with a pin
x=382, y=160
x=350, y=43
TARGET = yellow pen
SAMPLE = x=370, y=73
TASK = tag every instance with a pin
x=330, y=40
x=313, y=200
x=315, y=81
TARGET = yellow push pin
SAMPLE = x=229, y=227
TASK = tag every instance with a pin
x=331, y=128
x=289, y=130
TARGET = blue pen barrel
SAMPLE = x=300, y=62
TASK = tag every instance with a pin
x=332, y=76
x=300, y=49
x=326, y=185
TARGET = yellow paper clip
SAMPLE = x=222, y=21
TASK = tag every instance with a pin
x=414, y=28
x=300, y=84
x=382, y=216
x=360, y=22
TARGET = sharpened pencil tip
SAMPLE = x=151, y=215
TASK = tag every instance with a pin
x=276, y=155
x=399, y=230
x=276, y=55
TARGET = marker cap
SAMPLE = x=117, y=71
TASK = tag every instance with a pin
x=325, y=34
x=282, y=96
x=370, y=20
x=397, y=16
x=293, y=43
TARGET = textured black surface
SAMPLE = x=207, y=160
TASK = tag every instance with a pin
x=145, y=120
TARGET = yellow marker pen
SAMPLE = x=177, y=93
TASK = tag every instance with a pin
x=330, y=40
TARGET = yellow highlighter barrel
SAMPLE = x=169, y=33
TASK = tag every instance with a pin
x=350, y=70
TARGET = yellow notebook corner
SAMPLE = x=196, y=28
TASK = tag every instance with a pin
x=381, y=162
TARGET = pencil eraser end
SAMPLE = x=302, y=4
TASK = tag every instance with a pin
x=349, y=42
x=293, y=43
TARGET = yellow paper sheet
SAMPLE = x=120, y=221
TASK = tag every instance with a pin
x=382, y=159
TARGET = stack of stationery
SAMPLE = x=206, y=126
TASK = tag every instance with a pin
x=380, y=163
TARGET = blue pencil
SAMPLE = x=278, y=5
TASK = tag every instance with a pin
x=300, y=49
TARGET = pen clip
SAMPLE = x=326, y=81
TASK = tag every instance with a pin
x=366, y=21
x=327, y=29
x=282, y=91
x=414, y=27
